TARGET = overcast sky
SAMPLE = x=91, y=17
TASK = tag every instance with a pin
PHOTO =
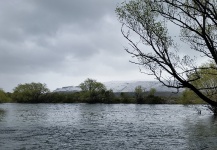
x=62, y=43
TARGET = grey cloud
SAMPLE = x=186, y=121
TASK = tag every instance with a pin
x=40, y=18
x=50, y=40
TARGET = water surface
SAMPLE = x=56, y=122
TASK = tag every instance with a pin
x=102, y=126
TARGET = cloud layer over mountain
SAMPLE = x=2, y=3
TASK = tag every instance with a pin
x=61, y=43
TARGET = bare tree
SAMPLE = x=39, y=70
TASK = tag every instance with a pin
x=156, y=49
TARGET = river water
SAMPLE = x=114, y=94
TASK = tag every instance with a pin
x=106, y=127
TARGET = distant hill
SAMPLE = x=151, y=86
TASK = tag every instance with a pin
x=124, y=86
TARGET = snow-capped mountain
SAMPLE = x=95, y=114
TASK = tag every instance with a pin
x=131, y=85
x=124, y=86
x=68, y=89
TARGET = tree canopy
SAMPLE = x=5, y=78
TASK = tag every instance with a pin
x=3, y=96
x=93, y=91
x=139, y=94
x=207, y=83
x=149, y=22
x=29, y=92
x=92, y=85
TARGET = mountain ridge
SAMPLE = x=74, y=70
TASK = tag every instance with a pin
x=124, y=86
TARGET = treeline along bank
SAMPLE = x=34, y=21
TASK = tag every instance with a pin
x=94, y=92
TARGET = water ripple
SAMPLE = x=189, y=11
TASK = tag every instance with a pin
x=101, y=126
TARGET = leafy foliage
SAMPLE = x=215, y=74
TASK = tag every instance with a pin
x=189, y=97
x=30, y=92
x=139, y=94
x=205, y=81
x=146, y=22
x=95, y=92
x=91, y=85
x=4, y=97
x=152, y=91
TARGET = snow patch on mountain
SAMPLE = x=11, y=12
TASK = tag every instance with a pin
x=124, y=86
x=130, y=86
x=68, y=89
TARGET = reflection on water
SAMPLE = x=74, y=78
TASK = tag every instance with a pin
x=202, y=133
x=101, y=126
x=2, y=113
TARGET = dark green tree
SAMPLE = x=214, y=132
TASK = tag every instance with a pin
x=92, y=90
x=139, y=94
x=30, y=92
x=153, y=99
x=107, y=96
x=4, y=97
x=189, y=97
x=206, y=84
x=152, y=92
x=91, y=85
x=147, y=21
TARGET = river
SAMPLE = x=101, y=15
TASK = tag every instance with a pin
x=106, y=127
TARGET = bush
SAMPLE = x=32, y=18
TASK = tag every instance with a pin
x=30, y=93
x=4, y=97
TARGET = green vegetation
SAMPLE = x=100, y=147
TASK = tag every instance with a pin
x=143, y=97
x=189, y=97
x=139, y=94
x=205, y=81
x=94, y=92
x=4, y=97
x=146, y=25
x=30, y=93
